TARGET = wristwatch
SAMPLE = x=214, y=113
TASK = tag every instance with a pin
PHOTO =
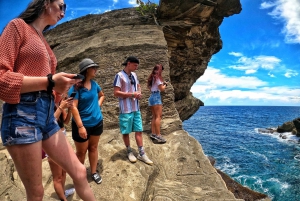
x=51, y=84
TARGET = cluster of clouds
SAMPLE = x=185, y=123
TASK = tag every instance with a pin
x=217, y=87
x=251, y=65
x=289, y=13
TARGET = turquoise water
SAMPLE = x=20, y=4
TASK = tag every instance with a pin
x=263, y=162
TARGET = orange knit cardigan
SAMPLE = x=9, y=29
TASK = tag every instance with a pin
x=23, y=52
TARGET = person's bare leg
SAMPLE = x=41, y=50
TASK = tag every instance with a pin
x=157, y=109
x=126, y=139
x=58, y=179
x=139, y=139
x=28, y=162
x=81, y=149
x=93, y=152
x=61, y=152
x=153, y=120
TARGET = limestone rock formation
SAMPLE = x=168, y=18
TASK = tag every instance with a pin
x=184, y=41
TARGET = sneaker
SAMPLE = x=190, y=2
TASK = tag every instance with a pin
x=131, y=157
x=97, y=178
x=160, y=139
x=145, y=159
x=153, y=136
x=69, y=192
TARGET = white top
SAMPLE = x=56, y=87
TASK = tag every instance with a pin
x=155, y=85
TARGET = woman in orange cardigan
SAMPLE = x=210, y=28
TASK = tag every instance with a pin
x=27, y=78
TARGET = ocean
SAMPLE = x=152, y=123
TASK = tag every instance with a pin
x=264, y=162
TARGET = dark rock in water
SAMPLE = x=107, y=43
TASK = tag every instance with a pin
x=286, y=127
x=236, y=188
x=266, y=130
x=212, y=160
x=240, y=191
x=297, y=123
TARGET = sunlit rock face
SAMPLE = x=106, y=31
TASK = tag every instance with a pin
x=191, y=29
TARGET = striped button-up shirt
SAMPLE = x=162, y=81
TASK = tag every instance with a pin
x=123, y=81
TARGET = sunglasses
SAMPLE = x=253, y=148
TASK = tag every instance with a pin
x=63, y=7
x=132, y=81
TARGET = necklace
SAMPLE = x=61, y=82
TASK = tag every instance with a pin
x=38, y=33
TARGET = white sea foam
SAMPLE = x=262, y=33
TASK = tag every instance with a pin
x=297, y=157
x=229, y=167
x=283, y=185
x=289, y=137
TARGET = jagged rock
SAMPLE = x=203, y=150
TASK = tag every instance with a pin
x=240, y=191
x=184, y=42
x=286, y=127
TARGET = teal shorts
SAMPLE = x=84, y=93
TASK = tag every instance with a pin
x=131, y=122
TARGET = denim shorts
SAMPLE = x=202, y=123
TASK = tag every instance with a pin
x=130, y=122
x=95, y=131
x=29, y=121
x=155, y=98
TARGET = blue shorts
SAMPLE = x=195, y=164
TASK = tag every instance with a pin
x=155, y=98
x=130, y=122
x=29, y=121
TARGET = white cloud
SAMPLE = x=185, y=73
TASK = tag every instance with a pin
x=289, y=12
x=236, y=54
x=271, y=75
x=290, y=73
x=266, y=5
x=215, y=87
x=213, y=78
x=132, y=2
x=252, y=65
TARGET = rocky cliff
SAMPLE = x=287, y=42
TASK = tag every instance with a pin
x=184, y=39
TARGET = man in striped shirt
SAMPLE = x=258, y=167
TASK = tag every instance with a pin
x=127, y=89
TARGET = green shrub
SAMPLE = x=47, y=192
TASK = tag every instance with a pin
x=148, y=8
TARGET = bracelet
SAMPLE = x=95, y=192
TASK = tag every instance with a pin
x=51, y=84
x=60, y=108
x=132, y=95
x=80, y=126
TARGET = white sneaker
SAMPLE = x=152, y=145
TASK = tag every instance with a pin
x=69, y=192
x=145, y=159
x=131, y=157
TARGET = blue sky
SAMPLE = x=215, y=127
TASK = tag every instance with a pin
x=259, y=63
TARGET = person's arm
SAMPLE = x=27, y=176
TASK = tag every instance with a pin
x=101, y=98
x=63, y=82
x=162, y=86
x=13, y=83
x=120, y=94
x=68, y=116
x=77, y=119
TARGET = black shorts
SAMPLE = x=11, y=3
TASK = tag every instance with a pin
x=95, y=130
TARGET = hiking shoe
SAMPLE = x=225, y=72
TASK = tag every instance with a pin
x=145, y=159
x=153, y=136
x=131, y=157
x=69, y=192
x=160, y=139
x=97, y=178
